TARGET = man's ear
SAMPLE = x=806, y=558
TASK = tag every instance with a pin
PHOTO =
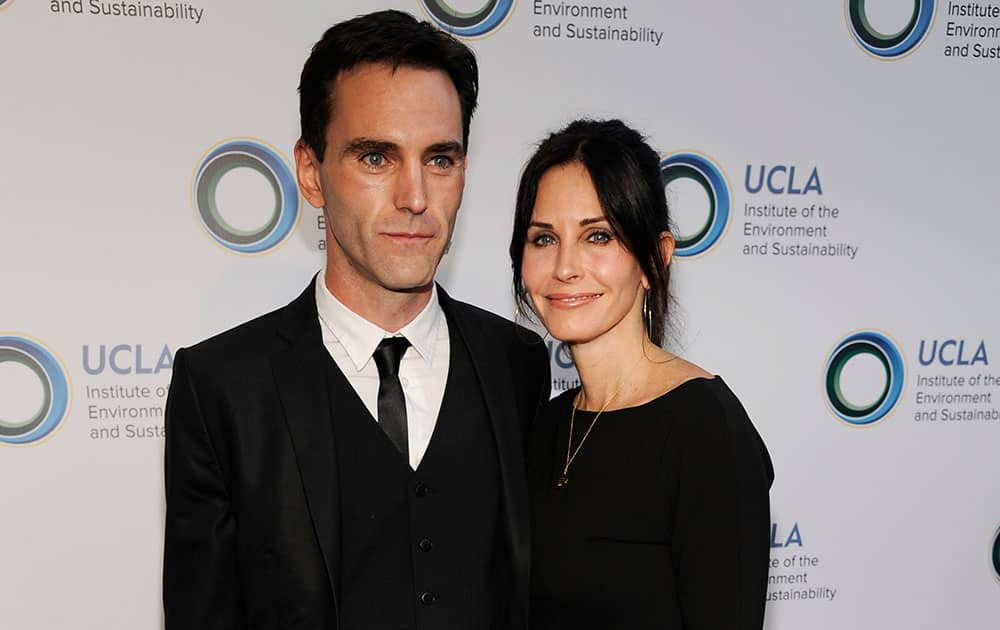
x=667, y=245
x=308, y=174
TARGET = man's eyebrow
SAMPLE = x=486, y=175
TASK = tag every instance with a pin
x=450, y=146
x=360, y=146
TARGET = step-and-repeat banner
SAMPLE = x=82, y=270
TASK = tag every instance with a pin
x=831, y=169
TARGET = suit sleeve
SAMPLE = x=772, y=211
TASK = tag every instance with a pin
x=545, y=376
x=537, y=386
x=720, y=543
x=201, y=589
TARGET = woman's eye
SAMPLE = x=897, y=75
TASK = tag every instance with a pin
x=373, y=159
x=543, y=239
x=600, y=236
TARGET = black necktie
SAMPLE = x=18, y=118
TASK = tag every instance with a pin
x=391, y=405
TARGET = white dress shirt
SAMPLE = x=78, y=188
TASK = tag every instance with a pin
x=423, y=371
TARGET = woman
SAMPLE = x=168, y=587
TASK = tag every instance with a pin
x=649, y=483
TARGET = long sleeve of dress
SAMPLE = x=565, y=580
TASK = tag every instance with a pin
x=719, y=543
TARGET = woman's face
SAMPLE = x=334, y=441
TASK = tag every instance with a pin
x=583, y=283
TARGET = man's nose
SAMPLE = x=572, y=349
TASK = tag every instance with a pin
x=411, y=189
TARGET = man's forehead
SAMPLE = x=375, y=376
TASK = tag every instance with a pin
x=370, y=100
x=387, y=80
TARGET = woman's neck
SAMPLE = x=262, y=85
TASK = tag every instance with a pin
x=613, y=368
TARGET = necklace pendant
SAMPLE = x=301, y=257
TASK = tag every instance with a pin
x=562, y=481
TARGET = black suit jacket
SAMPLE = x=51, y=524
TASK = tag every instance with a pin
x=251, y=537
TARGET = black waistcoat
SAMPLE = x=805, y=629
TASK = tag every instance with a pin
x=423, y=549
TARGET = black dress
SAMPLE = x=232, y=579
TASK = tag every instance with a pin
x=664, y=521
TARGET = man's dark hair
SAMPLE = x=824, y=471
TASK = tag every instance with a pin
x=392, y=38
x=626, y=174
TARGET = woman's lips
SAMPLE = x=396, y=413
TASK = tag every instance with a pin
x=571, y=300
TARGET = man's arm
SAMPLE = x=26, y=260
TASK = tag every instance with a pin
x=201, y=588
x=538, y=384
x=545, y=376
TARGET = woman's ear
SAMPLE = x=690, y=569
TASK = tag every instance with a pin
x=667, y=246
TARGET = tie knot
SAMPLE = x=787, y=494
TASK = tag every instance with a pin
x=388, y=354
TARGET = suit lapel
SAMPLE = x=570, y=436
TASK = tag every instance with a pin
x=300, y=375
x=491, y=364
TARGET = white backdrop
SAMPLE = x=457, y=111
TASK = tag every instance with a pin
x=886, y=507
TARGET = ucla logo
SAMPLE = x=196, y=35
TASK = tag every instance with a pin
x=780, y=541
x=54, y=387
x=890, y=45
x=707, y=174
x=263, y=160
x=952, y=352
x=126, y=358
x=879, y=346
x=780, y=180
x=478, y=23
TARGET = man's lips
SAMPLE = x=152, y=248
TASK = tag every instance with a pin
x=408, y=237
x=571, y=300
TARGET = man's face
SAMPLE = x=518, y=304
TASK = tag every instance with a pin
x=391, y=180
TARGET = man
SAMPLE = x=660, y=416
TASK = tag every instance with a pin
x=355, y=459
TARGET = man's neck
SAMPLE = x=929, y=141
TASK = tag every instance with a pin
x=389, y=310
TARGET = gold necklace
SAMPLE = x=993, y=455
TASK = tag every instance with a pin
x=564, y=477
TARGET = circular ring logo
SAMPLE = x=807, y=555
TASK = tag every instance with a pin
x=878, y=345
x=995, y=555
x=890, y=45
x=262, y=159
x=706, y=173
x=476, y=23
x=55, y=391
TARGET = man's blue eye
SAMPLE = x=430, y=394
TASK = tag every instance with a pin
x=441, y=161
x=374, y=159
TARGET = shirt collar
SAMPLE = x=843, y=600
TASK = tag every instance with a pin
x=360, y=337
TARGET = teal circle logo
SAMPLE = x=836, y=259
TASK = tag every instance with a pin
x=489, y=17
x=890, y=45
x=703, y=171
x=875, y=344
x=40, y=361
x=995, y=554
x=263, y=160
